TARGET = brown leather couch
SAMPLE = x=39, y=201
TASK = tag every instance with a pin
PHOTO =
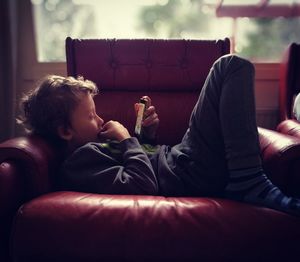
x=52, y=225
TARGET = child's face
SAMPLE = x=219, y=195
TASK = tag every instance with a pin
x=85, y=123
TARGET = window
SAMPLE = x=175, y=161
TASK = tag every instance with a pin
x=262, y=28
x=257, y=38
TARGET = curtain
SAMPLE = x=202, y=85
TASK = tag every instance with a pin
x=8, y=67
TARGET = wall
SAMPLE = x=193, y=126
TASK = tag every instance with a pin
x=267, y=89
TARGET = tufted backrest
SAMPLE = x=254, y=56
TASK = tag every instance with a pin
x=171, y=72
x=289, y=80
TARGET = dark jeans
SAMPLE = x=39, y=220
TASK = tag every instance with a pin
x=222, y=133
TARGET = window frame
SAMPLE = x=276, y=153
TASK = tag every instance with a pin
x=264, y=70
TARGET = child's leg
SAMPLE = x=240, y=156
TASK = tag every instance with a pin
x=223, y=121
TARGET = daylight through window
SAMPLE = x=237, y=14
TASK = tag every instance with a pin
x=256, y=38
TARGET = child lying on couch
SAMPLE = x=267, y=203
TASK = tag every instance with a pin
x=219, y=154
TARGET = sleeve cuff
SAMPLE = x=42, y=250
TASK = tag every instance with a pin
x=130, y=143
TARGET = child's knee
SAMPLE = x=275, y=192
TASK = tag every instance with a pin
x=234, y=61
x=242, y=62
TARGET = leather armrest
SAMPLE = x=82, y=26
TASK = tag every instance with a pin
x=11, y=189
x=35, y=160
x=11, y=193
x=290, y=127
x=281, y=159
x=25, y=165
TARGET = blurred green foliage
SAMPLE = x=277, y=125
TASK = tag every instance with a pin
x=57, y=19
x=174, y=19
x=265, y=43
x=271, y=37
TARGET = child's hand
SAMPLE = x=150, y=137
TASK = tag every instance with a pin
x=151, y=121
x=114, y=130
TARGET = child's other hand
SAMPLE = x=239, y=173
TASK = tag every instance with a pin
x=151, y=121
x=114, y=130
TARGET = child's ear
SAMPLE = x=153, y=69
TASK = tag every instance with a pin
x=64, y=133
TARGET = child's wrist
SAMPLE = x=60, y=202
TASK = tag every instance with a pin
x=123, y=137
x=147, y=139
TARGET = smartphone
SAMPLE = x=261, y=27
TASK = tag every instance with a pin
x=142, y=106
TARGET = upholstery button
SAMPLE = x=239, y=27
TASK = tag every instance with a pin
x=148, y=64
x=114, y=64
x=184, y=64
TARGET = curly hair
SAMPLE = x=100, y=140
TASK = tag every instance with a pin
x=51, y=103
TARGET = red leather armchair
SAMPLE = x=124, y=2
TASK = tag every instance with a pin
x=289, y=87
x=75, y=226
